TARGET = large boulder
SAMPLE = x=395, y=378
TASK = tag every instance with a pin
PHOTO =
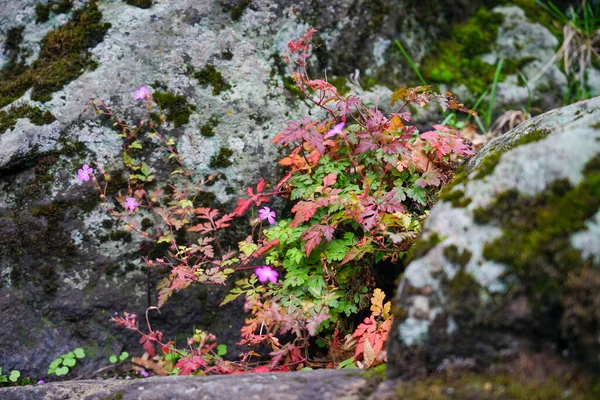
x=509, y=258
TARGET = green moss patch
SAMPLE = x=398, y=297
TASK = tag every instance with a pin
x=140, y=3
x=64, y=56
x=458, y=60
x=36, y=116
x=457, y=257
x=210, y=76
x=500, y=386
x=177, y=109
x=222, y=159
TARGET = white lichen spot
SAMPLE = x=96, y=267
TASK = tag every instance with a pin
x=77, y=237
x=380, y=47
x=413, y=331
x=77, y=280
x=588, y=241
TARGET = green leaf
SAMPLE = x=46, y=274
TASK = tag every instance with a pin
x=69, y=362
x=164, y=239
x=347, y=364
x=79, y=352
x=418, y=194
x=14, y=376
x=124, y=356
x=113, y=358
x=62, y=371
x=135, y=145
x=221, y=350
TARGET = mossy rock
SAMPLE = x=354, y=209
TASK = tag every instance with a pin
x=64, y=56
x=520, y=255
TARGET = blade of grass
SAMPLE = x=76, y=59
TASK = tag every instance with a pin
x=524, y=79
x=411, y=63
x=477, y=103
x=488, y=117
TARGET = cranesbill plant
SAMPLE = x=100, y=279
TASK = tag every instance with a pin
x=361, y=182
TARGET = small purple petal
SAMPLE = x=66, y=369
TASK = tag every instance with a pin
x=141, y=93
x=41, y=382
x=266, y=273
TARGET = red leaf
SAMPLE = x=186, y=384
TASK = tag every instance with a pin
x=329, y=179
x=312, y=237
x=304, y=211
x=190, y=364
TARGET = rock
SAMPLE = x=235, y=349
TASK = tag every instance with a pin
x=65, y=266
x=509, y=256
x=324, y=384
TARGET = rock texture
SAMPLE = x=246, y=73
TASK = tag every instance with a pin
x=297, y=385
x=508, y=260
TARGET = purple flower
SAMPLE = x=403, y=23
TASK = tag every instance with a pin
x=337, y=130
x=266, y=213
x=128, y=377
x=41, y=382
x=144, y=373
x=141, y=93
x=83, y=174
x=130, y=203
x=266, y=273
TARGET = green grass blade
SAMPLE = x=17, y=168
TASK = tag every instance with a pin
x=411, y=63
x=493, y=93
x=524, y=79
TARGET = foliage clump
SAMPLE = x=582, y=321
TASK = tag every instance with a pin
x=360, y=182
x=64, y=56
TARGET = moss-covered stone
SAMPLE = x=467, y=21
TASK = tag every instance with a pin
x=64, y=56
x=210, y=76
x=140, y=3
x=535, y=244
x=222, y=159
x=9, y=118
x=177, y=110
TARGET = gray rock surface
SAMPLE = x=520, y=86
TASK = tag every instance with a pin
x=508, y=257
x=325, y=384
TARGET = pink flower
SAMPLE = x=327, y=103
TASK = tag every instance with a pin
x=337, y=130
x=41, y=382
x=266, y=213
x=141, y=93
x=266, y=273
x=144, y=373
x=130, y=203
x=84, y=173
